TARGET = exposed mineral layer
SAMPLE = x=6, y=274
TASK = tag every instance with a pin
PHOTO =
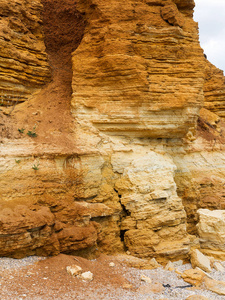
x=139, y=70
x=23, y=60
x=116, y=153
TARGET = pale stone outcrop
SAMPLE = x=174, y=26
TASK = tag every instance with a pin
x=154, y=220
x=211, y=230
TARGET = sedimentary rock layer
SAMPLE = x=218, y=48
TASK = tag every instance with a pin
x=211, y=229
x=130, y=166
x=214, y=90
x=23, y=59
x=138, y=70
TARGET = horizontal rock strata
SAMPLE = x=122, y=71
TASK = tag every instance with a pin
x=124, y=155
x=211, y=229
x=214, y=90
x=23, y=60
x=138, y=71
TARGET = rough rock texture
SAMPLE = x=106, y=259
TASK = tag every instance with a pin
x=201, y=170
x=214, y=90
x=200, y=260
x=23, y=60
x=215, y=286
x=118, y=160
x=139, y=70
x=198, y=278
x=211, y=230
x=24, y=230
x=154, y=217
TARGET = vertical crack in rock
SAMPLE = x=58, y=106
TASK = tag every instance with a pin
x=124, y=213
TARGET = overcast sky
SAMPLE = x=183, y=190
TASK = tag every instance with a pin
x=210, y=15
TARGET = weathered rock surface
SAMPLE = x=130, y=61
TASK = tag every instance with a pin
x=122, y=162
x=140, y=74
x=193, y=276
x=154, y=219
x=201, y=170
x=211, y=230
x=198, y=278
x=214, y=90
x=24, y=231
x=74, y=270
x=200, y=260
x=215, y=286
x=23, y=60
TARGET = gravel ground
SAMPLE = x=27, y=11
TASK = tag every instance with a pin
x=11, y=263
x=36, y=278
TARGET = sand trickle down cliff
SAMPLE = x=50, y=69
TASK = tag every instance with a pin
x=49, y=109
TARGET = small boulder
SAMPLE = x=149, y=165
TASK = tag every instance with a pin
x=74, y=270
x=86, y=276
x=127, y=286
x=200, y=260
x=146, y=279
x=111, y=264
x=194, y=277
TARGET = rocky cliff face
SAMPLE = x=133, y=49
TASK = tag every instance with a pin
x=143, y=74
x=116, y=153
x=23, y=61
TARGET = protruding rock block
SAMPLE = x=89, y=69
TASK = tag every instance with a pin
x=211, y=230
x=27, y=232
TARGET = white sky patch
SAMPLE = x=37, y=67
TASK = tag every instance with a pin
x=210, y=15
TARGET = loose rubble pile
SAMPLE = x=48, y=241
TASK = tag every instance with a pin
x=111, y=278
x=197, y=277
